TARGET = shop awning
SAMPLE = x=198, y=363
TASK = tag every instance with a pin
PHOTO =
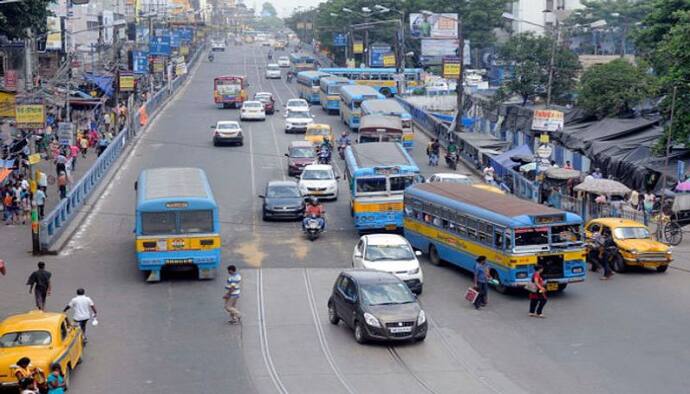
x=104, y=82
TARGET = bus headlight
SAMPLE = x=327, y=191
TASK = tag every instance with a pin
x=371, y=320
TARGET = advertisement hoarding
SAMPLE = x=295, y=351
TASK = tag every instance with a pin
x=430, y=25
x=451, y=67
x=357, y=47
x=30, y=113
x=160, y=45
x=433, y=51
x=547, y=120
x=377, y=53
x=126, y=83
x=54, y=38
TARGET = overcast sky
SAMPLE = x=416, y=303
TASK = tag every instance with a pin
x=285, y=7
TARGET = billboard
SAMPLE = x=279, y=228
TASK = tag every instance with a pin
x=140, y=62
x=160, y=45
x=433, y=51
x=30, y=113
x=377, y=54
x=430, y=25
x=108, y=19
x=54, y=37
x=547, y=120
x=452, y=68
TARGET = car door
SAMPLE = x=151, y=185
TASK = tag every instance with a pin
x=72, y=341
x=358, y=253
x=350, y=302
x=339, y=295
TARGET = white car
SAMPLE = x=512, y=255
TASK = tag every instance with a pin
x=252, y=110
x=218, y=45
x=298, y=121
x=451, y=177
x=273, y=71
x=297, y=105
x=390, y=253
x=319, y=180
x=284, y=61
x=227, y=132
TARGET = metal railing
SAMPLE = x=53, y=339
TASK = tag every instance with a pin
x=58, y=219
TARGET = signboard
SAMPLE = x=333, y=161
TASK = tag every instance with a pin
x=430, y=25
x=184, y=50
x=158, y=65
x=180, y=69
x=175, y=39
x=451, y=67
x=547, y=120
x=357, y=47
x=433, y=51
x=65, y=133
x=186, y=34
x=30, y=113
x=339, y=39
x=160, y=45
x=142, y=34
x=54, y=37
x=11, y=79
x=544, y=151
x=544, y=138
x=108, y=19
x=7, y=108
x=140, y=62
x=376, y=54
x=389, y=60
x=300, y=25
x=35, y=158
x=126, y=83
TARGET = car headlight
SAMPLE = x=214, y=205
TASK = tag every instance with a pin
x=371, y=320
x=633, y=251
x=421, y=318
x=413, y=271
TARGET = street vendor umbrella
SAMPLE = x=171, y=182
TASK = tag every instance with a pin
x=602, y=186
x=528, y=167
x=683, y=187
x=561, y=173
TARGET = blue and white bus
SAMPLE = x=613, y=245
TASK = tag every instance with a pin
x=351, y=98
x=302, y=62
x=391, y=107
x=176, y=222
x=308, y=85
x=382, y=79
x=330, y=93
x=456, y=223
x=378, y=173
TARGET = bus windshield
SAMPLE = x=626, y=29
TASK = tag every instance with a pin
x=531, y=236
x=228, y=87
x=400, y=183
x=371, y=185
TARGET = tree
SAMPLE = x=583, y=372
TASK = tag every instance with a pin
x=15, y=18
x=614, y=88
x=268, y=10
x=529, y=56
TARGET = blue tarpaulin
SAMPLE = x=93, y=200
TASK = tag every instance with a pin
x=504, y=158
x=104, y=82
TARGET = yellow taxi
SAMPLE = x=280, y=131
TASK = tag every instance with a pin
x=45, y=338
x=316, y=132
x=635, y=244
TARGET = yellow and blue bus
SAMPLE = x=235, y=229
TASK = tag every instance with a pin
x=455, y=223
x=302, y=62
x=391, y=107
x=329, y=93
x=308, y=85
x=378, y=173
x=176, y=222
x=381, y=79
x=351, y=98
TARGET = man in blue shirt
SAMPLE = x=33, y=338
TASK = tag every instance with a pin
x=232, y=294
x=481, y=281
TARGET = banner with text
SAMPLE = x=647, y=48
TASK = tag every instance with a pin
x=429, y=25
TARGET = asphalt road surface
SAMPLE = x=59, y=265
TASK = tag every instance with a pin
x=627, y=335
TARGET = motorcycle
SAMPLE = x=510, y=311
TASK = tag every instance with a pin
x=210, y=58
x=289, y=77
x=324, y=156
x=341, y=151
x=452, y=161
x=313, y=227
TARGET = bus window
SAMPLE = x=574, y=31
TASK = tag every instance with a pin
x=371, y=185
x=531, y=236
x=498, y=239
x=368, y=138
x=565, y=233
x=400, y=183
x=195, y=222
x=156, y=223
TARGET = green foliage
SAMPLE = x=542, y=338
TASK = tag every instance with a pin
x=267, y=9
x=530, y=55
x=268, y=23
x=15, y=18
x=614, y=88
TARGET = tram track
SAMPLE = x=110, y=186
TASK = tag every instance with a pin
x=399, y=360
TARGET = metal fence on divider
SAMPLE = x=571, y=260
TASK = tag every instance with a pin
x=55, y=222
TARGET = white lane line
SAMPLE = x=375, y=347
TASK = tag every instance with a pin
x=265, y=348
x=322, y=337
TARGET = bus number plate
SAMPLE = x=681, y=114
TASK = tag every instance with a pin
x=391, y=227
x=179, y=261
x=552, y=286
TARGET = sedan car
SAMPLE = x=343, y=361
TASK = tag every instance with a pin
x=284, y=61
x=45, y=338
x=377, y=306
x=319, y=180
x=267, y=99
x=300, y=154
x=218, y=45
x=282, y=200
x=227, y=132
x=252, y=110
x=299, y=105
x=273, y=71
x=297, y=121
x=451, y=177
x=390, y=253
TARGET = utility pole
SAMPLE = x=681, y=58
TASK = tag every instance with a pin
x=459, y=89
x=116, y=61
x=669, y=136
x=29, y=84
x=557, y=38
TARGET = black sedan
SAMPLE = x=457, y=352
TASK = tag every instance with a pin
x=377, y=306
x=282, y=200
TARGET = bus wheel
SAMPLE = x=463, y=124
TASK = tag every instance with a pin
x=434, y=258
x=500, y=287
x=562, y=286
x=386, y=92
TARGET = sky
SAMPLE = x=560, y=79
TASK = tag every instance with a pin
x=285, y=7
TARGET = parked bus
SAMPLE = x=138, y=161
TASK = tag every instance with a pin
x=456, y=223
x=329, y=93
x=308, y=85
x=229, y=91
x=176, y=222
x=351, y=98
x=391, y=107
x=379, y=128
x=302, y=62
x=382, y=79
x=377, y=174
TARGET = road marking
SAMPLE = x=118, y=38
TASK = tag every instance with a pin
x=394, y=353
x=322, y=337
x=263, y=335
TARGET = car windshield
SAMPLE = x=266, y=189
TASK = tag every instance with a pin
x=299, y=114
x=371, y=185
x=296, y=103
x=316, y=174
x=282, y=192
x=631, y=233
x=302, y=153
x=388, y=252
x=386, y=294
x=273, y=67
x=227, y=126
x=283, y=58
x=25, y=338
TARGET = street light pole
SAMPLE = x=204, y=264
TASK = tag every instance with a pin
x=459, y=88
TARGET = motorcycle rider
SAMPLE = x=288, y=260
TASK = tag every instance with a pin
x=452, y=155
x=289, y=76
x=315, y=208
x=343, y=142
x=325, y=151
x=210, y=56
x=270, y=54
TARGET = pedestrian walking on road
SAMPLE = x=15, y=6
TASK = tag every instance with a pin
x=39, y=283
x=232, y=294
x=537, y=298
x=481, y=281
x=62, y=185
x=40, y=198
x=83, y=309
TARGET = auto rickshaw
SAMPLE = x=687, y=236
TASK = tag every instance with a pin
x=317, y=131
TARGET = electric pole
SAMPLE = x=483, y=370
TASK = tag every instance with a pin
x=459, y=89
x=29, y=85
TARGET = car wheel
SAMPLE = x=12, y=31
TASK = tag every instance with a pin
x=617, y=263
x=215, y=143
x=420, y=339
x=419, y=292
x=662, y=268
x=333, y=314
x=360, y=335
x=434, y=258
x=66, y=376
